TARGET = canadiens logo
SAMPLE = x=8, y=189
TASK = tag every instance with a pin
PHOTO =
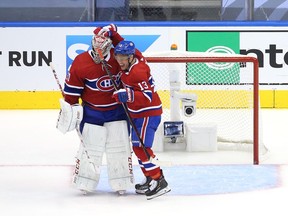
x=104, y=83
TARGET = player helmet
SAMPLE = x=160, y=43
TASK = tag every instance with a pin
x=100, y=42
x=125, y=48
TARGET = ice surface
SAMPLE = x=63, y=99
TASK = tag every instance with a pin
x=36, y=165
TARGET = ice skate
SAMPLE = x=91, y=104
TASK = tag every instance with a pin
x=157, y=188
x=144, y=186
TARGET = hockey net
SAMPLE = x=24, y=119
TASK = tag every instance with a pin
x=227, y=94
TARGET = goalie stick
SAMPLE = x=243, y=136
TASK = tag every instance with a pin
x=150, y=158
x=77, y=128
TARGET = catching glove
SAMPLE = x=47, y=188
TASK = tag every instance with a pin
x=124, y=95
x=106, y=31
x=69, y=116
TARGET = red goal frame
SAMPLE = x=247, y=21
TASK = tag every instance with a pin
x=232, y=59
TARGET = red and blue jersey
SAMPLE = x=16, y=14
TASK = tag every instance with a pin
x=90, y=82
x=146, y=100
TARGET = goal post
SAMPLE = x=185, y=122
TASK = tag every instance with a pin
x=225, y=84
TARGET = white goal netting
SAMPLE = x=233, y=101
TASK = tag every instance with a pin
x=225, y=89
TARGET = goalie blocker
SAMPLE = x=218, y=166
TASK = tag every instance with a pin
x=112, y=138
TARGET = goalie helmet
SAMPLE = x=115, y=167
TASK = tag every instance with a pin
x=125, y=48
x=100, y=42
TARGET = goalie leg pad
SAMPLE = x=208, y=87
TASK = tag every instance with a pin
x=86, y=174
x=119, y=158
x=87, y=171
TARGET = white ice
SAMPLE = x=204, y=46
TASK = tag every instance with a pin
x=36, y=165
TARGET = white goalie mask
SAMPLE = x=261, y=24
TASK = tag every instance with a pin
x=103, y=43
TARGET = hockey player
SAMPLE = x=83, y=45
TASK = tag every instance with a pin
x=102, y=121
x=145, y=108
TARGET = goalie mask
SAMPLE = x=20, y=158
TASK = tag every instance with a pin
x=100, y=42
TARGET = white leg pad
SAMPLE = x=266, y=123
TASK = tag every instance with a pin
x=87, y=171
x=119, y=158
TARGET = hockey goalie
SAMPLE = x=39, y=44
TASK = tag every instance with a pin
x=100, y=121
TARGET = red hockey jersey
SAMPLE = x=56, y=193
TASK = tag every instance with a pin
x=89, y=80
x=139, y=79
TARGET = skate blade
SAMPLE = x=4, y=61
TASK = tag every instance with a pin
x=162, y=192
x=141, y=192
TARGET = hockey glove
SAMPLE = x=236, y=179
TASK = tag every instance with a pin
x=106, y=31
x=124, y=95
x=69, y=116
